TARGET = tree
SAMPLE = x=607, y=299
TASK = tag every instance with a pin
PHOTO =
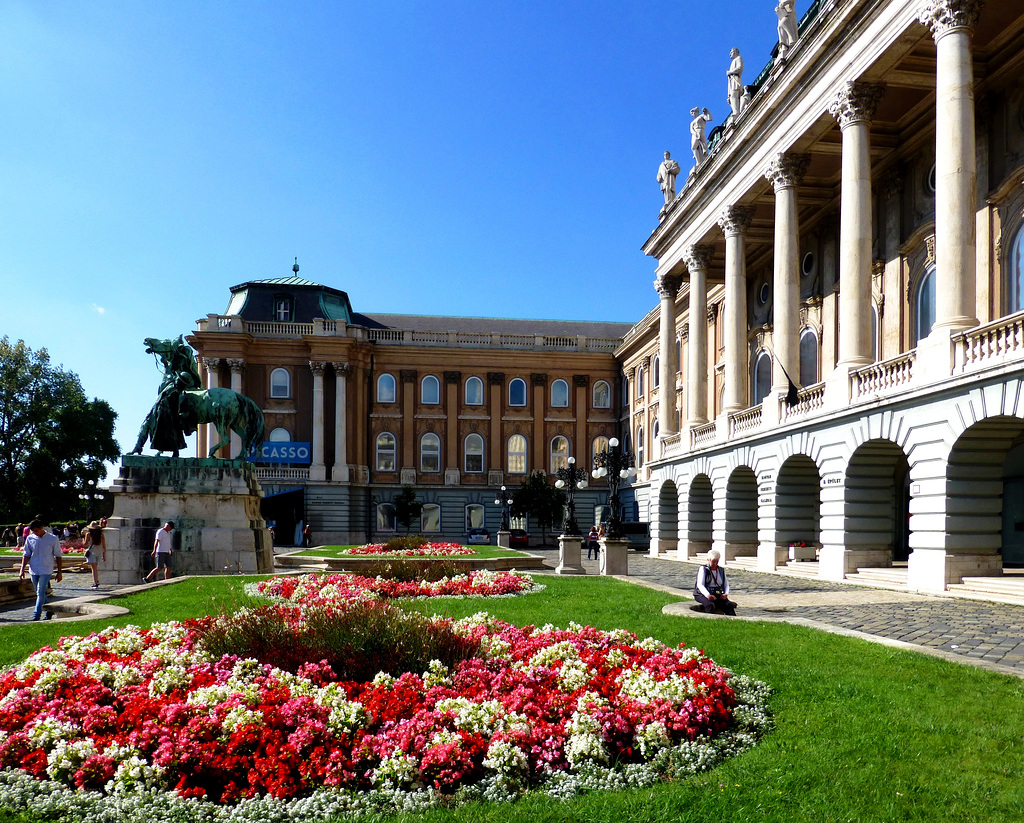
x=407, y=507
x=53, y=439
x=541, y=500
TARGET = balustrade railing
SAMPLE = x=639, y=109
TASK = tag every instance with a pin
x=809, y=401
x=744, y=421
x=703, y=435
x=991, y=343
x=282, y=474
x=278, y=329
x=881, y=377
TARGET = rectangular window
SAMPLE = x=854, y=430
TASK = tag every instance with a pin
x=430, y=518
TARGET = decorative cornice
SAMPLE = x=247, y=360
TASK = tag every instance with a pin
x=452, y=377
x=929, y=243
x=877, y=268
x=495, y=378
x=537, y=379
x=213, y=363
x=408, y=375
x=945, y=16
x=786, y=170
x=236, y=364
x=735, y=219
x=341, y=368
x=317, y=367
x=698, y=257
x=712, y=313
x=684, y=332
x=580, y=380
x=855, y=102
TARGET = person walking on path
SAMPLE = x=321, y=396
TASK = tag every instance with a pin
x=41, y=554
x=592, y=545
x=95, y=544
x=712, y=588
x=162, y=552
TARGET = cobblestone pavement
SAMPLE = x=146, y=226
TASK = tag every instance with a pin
x=990, y=635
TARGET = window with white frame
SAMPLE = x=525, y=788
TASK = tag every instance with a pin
x=474, y=516
x=385, y=452
x=559, y=453
x=430, y=390
x=762, y=377
x=679, y=356
x=430, y=518
x=639, y=447
x=386, y=389
x=517, y=454
x=808, y=358
x=656, y=372
x=474, y=391
x=924, y=305
x=283, y=309
x=474, y=453
x=1015, y=272
x=640, y=382
x=602, y=395
x=280, y=383
x=599, y=445
x=430, y=453
x=385, y=517
x=559, y=394
x=517, y=392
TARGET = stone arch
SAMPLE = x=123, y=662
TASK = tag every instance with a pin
x=665, y=522
x=797, y=510
x=739, y=517
x=700, y=518
x=876, y=505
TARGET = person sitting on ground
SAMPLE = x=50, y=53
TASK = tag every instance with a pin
x=712, y=587
x=95, y=543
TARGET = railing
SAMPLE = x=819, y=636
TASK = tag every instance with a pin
x=282, y=474
x=464, y=338
x=703, y=435
x=518, y=340
x=879, y=378
x=279, y=329
x=603, y=343
x=990, y=343
x=385, y=335
x=430, y=337
x=809, y=401
x=744, y=421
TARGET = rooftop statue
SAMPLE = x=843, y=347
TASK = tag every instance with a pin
x=667, y=172
x=786, y=11
x=182, y=404
x=698, y=141
x=735, y=77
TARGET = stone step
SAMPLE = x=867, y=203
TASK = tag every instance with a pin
x=748, y=562
x=800, y=568
x=1003, y=589
x=891, y=576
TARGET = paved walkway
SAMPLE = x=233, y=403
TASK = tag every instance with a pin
x=989, y=635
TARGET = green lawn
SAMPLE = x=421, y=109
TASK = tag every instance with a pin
x=864, y=732
x=480, y=551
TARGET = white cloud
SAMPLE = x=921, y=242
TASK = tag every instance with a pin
x=99, y=309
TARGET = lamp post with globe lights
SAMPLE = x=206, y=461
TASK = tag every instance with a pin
x=89, y=496
x=617, y=465
x=570, y=478
x=503, y=498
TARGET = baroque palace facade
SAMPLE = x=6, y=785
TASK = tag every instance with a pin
x=359, y=406
x=857, y=227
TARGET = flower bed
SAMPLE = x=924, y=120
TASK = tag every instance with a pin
x=320, y=589
x=136, y=723
x=426, y=550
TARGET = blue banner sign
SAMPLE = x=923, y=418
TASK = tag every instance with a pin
x=289, y=451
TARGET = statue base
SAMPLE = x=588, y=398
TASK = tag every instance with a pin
x=569, y=555
x=614, y=556
x=214, y=505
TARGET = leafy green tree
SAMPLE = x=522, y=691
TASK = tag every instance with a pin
x=407, y=508
x=542, y=501
x=53, y=439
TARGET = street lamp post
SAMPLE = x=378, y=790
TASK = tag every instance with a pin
x=504, y=499
x=89, y=495
x=570, y=478
x=616, y=464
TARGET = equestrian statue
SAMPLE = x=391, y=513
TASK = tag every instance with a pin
x=182, y=404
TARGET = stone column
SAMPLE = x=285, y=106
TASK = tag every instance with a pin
x=237, y=366
x=201, y=441
x=339, y=472
x=735, y=220
x=697, y=258
x=785, y=172
x=213, y=365
x=952, y=24
x=853, y=107
x=318, y=471
x=667, y=288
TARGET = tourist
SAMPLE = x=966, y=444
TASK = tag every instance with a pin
x=19, y=533
x=9, y=539
x=307, y=536
x=95, y=543
x=42, y=552
x=592, y=544
x=712, y=588
x=162, y=551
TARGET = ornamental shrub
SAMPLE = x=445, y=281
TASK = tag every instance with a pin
x=356, y=642
x=399, y=544
x=408, y=569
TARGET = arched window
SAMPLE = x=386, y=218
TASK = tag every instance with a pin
x=474, y=391
x=517, y=454
x=430, y=518
x=657, y=430
x=559, y=453
x=640, y=382
x=876, y=335
x=679, y=356
x=474, y=516
x=602, y=395
x=560, y=394
x=924, y=305
x=639, y=447
x=385, y=517
x=430, y=390
x=656, y=372
x=808, y=358
x=279, y=436
x=430, y=453
x=517, y=392
x=599, y=445
x=386, y=389
x=385, y=452
x=280, y=383
x=474, y=453
x=1015, y=271
x=283, y=308
x=762, y=377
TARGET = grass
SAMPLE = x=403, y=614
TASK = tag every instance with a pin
x=480, y=551
x=864, y=732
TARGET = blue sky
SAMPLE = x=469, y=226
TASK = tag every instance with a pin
x=487, y=159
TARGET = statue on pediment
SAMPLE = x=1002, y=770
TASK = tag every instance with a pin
x=667, y=172
x=735, y=78
x=786, y=12
x=698, y=140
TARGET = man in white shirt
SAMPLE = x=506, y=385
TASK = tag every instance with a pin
x=712, y=588
x=162, y=551
x=41, y=554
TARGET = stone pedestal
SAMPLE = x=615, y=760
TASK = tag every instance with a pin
x=614, y=556
x=569, y=555
x=214, y=505
x=932, y=570
x=503, y=539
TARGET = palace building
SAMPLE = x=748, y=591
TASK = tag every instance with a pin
x=358, y=406
x=856, y=228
